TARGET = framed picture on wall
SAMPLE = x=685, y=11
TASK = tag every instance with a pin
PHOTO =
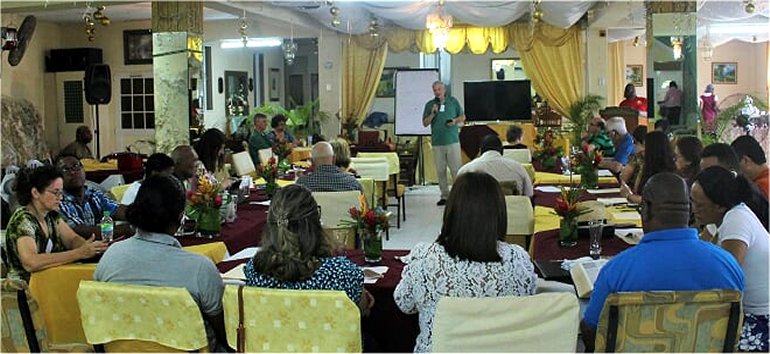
x=724, y=73
x=635, y=75
x=137, y=47
x=274, y=82
x=387, y=85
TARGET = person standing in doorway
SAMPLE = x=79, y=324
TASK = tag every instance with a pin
x=444, y=116
x=708, y=109
x=672, y=103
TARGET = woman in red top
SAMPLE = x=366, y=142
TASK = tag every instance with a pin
x=708, y=108
x=634, y=101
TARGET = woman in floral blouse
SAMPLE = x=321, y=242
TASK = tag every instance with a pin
x=469, y=258
x=37, y=237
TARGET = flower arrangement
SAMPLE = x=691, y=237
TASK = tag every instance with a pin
x=546, y=154
x=269, y=172
x=203, y=202
x=282, y=150
x=369, y=224
x=566, y=207
x=587, y=162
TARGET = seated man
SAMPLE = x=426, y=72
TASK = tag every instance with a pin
x=326, y=177
x=669, y=257
x=83, y=207
x=79, y=148
x=153, y=257
x=513, y=178
x=719, y=154
x=596, y=135
x=623, y=142
x=752, y=161
x=514, y=135
x=157, y=164
x=185, y=163
x=259, y=138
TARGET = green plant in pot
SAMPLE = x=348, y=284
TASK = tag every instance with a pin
x=579, y=114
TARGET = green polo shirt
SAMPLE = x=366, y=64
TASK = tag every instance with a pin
x=258, y=141
x=603, y=142
x=441, y=134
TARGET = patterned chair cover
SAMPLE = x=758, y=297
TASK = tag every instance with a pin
x=670, y=321
x=127, y=317
x=278, y=320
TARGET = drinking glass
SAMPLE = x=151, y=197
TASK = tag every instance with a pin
x=595, y=238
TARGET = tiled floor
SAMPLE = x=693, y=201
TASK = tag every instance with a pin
x=423, y=219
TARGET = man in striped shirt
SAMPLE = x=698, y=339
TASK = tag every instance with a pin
x=326, y=177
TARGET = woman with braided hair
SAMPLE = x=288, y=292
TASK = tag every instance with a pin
x=295, y=253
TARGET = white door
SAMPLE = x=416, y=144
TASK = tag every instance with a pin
x=135, y=111
x=71, y=104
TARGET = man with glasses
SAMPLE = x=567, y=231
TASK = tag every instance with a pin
x=596, y=135
x=83, y=207
x=623, y=142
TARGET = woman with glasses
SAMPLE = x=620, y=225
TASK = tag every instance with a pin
x=280, y=135
x=37, y=237
x=687, y=151
x=658, y=157
x=295, y=253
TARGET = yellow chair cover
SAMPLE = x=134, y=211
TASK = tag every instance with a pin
x=369, y=191
x=335, y=206
x=278, y=320
x=118, y=191
x=671, y=321
x=119, y=312
x=545, y=322
x=521, y=220
x=557, y=178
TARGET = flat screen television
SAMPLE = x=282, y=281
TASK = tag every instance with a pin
x=498, y=100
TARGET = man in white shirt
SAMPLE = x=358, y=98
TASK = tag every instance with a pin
x=513, y=178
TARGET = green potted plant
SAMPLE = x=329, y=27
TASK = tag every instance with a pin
x=580, y=113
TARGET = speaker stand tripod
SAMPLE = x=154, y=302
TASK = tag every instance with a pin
x=96, y=131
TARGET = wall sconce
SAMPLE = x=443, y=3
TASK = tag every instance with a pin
x=676, y=46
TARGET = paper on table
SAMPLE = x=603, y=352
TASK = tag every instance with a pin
x=604, y=191
x=630, y=236
x=372, y=274
x=235, y=273
x=605, y=173
x=265, y=203
x=626, y=215
x=548, y=189
x=612, y=201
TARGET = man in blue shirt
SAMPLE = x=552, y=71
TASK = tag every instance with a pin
x=83, y=207
x=670, y=257
x=623, y=142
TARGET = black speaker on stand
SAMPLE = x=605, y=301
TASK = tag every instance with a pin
x=98, y=90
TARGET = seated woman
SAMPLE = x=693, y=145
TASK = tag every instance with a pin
x=658, y=157
x=211, y=152
x=687, y=157
x=37, y=237
x=720, y=197
x=295, y=252
x=279, y=134
x=342, y=155
x=469, y=246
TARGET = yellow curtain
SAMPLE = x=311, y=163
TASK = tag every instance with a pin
x=553, y=60
x=617, y=82
x=362, y=68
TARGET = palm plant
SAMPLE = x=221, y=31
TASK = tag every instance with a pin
x=580, y=113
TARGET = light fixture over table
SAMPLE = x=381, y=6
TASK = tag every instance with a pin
x=438, y=24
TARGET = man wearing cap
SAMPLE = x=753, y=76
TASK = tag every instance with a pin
x=670, y=257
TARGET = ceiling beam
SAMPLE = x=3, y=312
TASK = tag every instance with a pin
x=268, y=12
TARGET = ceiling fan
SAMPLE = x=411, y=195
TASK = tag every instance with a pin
x=16, y=40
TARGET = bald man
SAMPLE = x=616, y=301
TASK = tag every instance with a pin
x=326, y=177
x=670, y=257
x=79, y=148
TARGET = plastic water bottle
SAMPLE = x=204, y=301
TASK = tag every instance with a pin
x=107, y=226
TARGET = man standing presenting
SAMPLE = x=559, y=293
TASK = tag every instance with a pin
x=444, y=115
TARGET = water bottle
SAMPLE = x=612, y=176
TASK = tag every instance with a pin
x=107, y=226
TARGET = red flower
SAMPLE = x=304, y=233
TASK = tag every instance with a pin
x=218, y=201
x=354, y=212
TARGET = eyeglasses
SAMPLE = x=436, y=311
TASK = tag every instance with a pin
x=58, y=193
x=72, y=169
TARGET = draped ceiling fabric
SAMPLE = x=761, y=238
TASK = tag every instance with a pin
x=362, y=68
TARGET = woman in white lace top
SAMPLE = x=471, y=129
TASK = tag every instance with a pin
x=469, y=258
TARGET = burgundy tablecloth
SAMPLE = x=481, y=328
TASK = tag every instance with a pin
x=393, y=330
x=546, y=246
x=244, y=232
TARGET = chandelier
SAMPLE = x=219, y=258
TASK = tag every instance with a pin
x=243, y=28
x=438, y=24
x=91, y=16
x=290, y=48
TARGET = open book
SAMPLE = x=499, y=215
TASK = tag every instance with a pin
x=584, y=276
